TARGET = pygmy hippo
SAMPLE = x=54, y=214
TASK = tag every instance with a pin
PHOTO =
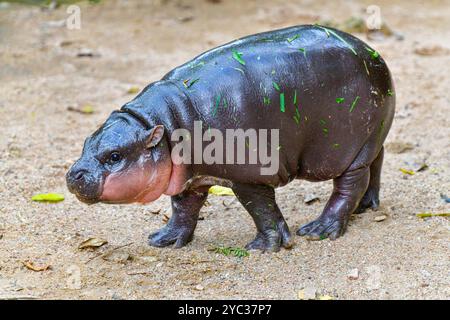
x=328, y=96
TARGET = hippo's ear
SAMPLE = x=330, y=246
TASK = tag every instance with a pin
x=155, y=136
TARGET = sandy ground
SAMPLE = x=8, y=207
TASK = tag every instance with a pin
x=136, y=42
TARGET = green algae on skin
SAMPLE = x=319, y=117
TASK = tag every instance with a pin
x=216, y=104
x=238, y=57
x=354, y=104
x=266, y=100
x=323, y=28
x=297, y=113
x=188, y=83
x=293, y=38
x=276, y=86
x=303, y=50
x=323, y=123
x=365, y=66
x=336, y=145
x=380, y=129
x=340, y=100
x=390, y=93
x=328, y=32
x=373, y=54
x=282, y=104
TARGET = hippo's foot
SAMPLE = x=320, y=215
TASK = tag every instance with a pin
x=272, y=230
x=371, y=197
x=272, y=240
x=170, y=235
x=370, y=200
x=348, y=192
x=181, y=226
x=322, y=228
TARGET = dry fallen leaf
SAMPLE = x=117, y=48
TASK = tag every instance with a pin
x=165, y=218
x=221, y=191
x=48, y=197
x=133, y=90
x=92, y=243
x=30, y=265
x=206, y=204
x=431, y=214
x=407, y=171
x=86, y=109
x=157, y=211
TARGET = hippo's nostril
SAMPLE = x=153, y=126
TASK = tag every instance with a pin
x=79, y=175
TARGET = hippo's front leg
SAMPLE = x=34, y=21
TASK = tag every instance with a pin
x=272, y=230
x=348, y=190
x=180, y=228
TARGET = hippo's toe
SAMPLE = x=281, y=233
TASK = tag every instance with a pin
x=271, y=240
x=169, y=235
x=323, y=228
x=369, y=201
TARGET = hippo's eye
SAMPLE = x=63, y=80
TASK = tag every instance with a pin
x=114, y=157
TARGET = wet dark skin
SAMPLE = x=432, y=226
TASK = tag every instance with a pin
x=330, y=95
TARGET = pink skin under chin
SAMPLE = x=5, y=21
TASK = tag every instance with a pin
x=144, y=182
x=177, y=180
x=141, y=183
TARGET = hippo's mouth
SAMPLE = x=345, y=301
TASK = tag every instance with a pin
x=87, y=200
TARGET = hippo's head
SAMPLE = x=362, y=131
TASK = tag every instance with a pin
x=122, y=162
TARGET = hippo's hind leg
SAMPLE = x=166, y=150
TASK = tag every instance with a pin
x=348, y=191
x=371, y=197
x=272, y=230
x=180, y=228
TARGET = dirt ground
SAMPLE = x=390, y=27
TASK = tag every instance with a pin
x=132, y=43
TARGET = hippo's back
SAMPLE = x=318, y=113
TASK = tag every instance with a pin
x=326, y=91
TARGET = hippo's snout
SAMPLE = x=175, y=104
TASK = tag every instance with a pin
x=84, y=184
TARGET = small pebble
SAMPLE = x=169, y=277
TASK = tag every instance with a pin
x=380, y=218
x=425, y=273
x=353, y=274
x=311, y=198
x=117, y=257
x=199, y=288
x=309, y=293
